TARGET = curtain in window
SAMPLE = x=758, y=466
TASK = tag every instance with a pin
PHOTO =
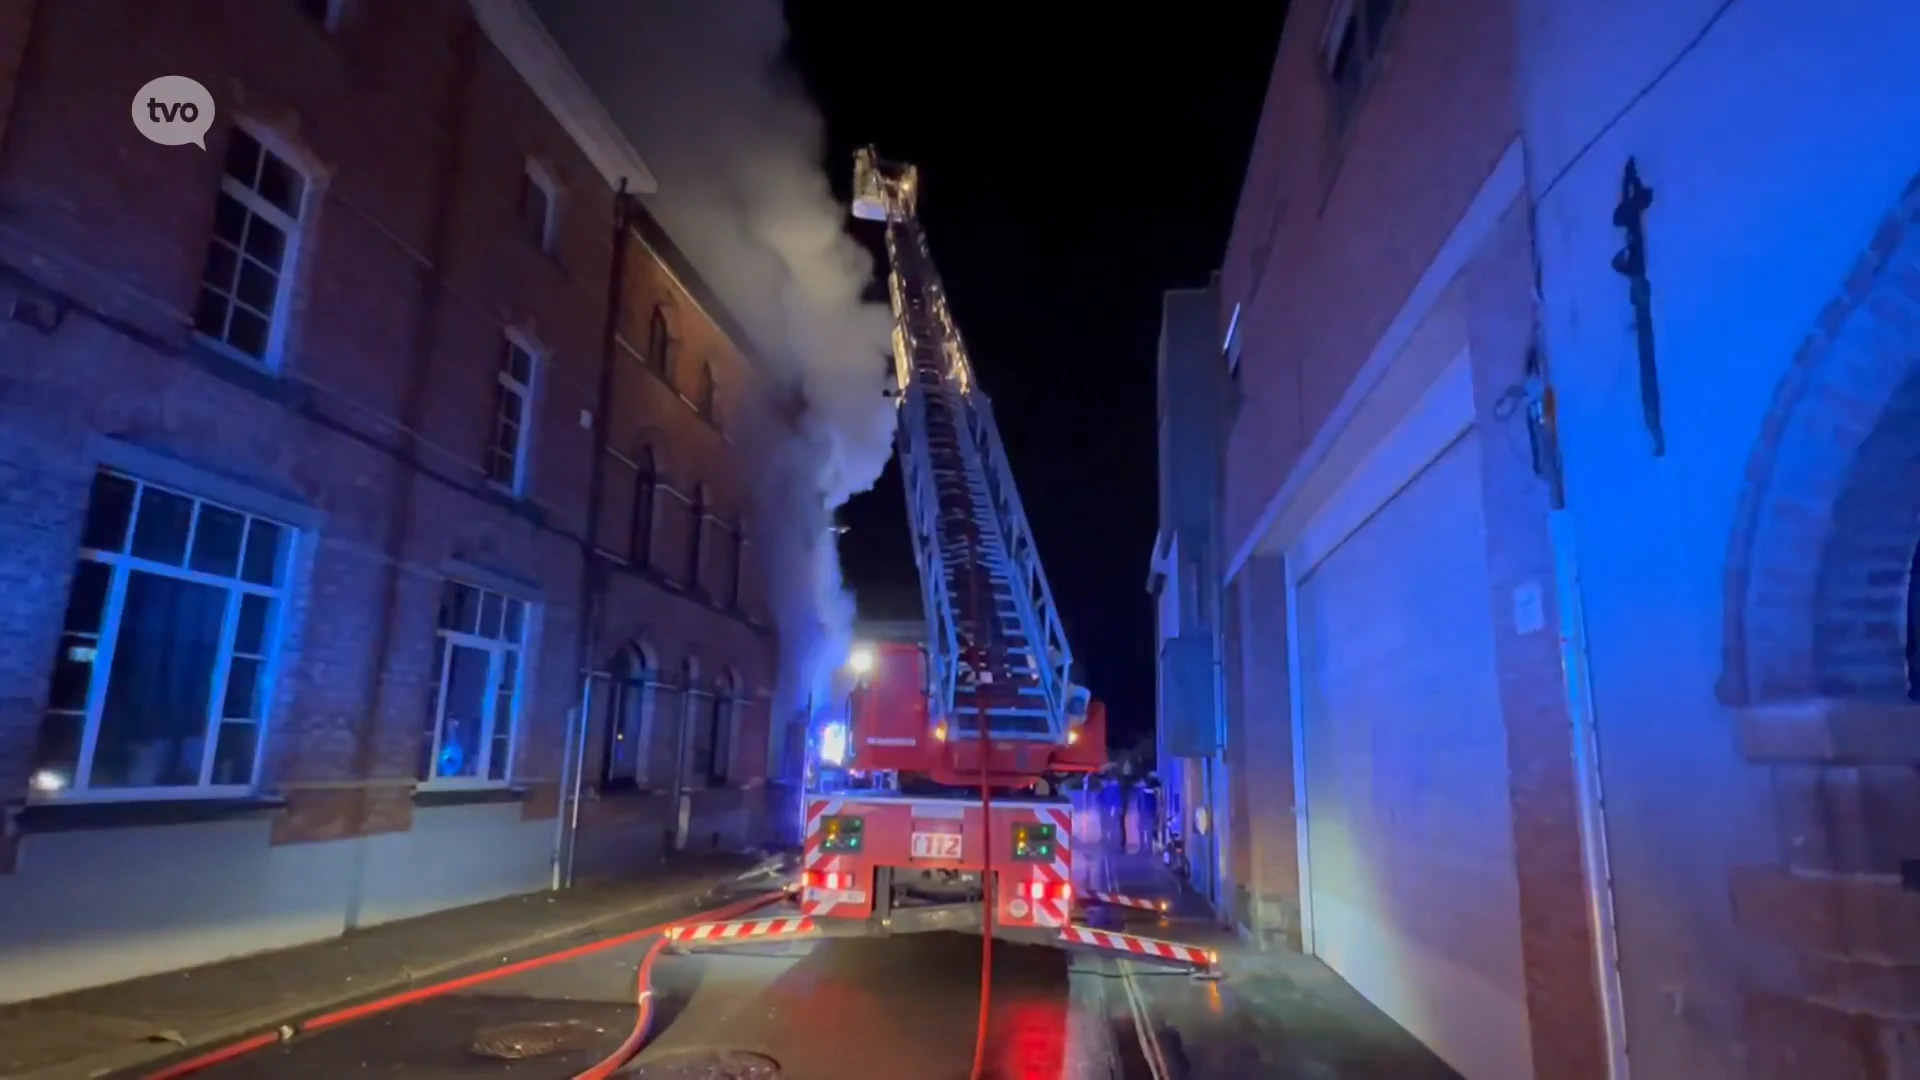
x=154, y=721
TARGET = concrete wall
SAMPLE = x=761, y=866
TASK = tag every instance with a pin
x=71, y=917
x=1778, y=139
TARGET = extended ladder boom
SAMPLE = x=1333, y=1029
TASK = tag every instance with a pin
x=963, y=507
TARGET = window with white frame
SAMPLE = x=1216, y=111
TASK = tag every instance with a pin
x=631, y=701
x=540, y=206
x=256, y=217
x=477, y=678
x=160, y=682
x=512, y=408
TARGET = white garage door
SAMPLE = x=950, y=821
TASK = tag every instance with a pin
x=1410, y=847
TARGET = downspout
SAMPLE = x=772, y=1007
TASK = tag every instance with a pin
x=593, y=576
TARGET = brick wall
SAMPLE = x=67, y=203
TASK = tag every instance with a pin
x=411, y=267
x=1817, y=606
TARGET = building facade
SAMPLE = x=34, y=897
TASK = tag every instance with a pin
x=1195, y=396
x=1739, y=416
x=1571, y=530
x=334, y=455
x=1394, y=676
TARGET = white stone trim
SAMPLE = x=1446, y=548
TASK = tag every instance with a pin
x=1503, y=185
x=1444, y=413
x=517, y=32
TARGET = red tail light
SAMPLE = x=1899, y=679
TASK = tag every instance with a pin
x=827, y=879
x=1047, y=890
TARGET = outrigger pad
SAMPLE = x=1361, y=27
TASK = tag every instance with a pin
x=1204, y=962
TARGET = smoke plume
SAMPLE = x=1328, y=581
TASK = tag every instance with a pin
x=701, y=89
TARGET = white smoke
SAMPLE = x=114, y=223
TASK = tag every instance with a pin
x=700, y=88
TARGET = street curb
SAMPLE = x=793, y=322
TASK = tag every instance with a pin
x=144, y=1053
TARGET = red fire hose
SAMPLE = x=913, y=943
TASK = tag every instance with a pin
x=629, y=1047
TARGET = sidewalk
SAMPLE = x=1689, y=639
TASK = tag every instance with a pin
x=108, y=1028
x=1275, y=1014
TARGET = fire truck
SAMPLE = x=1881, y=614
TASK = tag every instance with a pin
x=978, y=727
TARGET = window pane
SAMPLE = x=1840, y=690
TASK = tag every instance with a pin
x=216, y=541
x=72, y=674
x=280, y=185
x=515, y=620
x=153, y=725
x=459, y=607
x=501, y=752
x=222, y=264
x=250, y=636
x=210, y=314
x=243, y=690
x=465, y=713
x=266, y=243
x=247, y=332
x=229, y=219
x=109, y=511
x=265, y=545
x=243, y=157
x=519, y=365
x=160, y=529
x=56, y=758
x=257, y=286
x=489, y=615
x=87, y=601
x=233, y=755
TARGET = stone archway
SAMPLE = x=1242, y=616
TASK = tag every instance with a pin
x=1817, y=651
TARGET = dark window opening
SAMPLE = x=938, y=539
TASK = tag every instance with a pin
x=646, y=484
x=694, y=554
x=659, y=342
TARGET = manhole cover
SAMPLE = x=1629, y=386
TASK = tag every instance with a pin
x=707, y=1065
x=538, y=1039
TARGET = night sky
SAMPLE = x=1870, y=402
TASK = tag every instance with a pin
x=1072, y=170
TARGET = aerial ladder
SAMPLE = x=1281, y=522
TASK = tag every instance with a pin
x=981, y=724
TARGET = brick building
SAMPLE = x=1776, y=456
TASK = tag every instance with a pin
x=1393, y=680
x=302, y=435
x=1571, y=533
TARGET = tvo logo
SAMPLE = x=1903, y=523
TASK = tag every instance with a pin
x=174, y=110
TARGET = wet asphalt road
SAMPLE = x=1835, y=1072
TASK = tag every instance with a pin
x=850, y=1009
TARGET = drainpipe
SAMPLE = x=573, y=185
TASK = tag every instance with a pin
x=593, y=577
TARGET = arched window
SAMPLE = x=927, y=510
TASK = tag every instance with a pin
x=714, y=732
x=732, y=568
x=706, y=393
x=687, y=740
x=630, y=708
x=646, y=483
x=697, y=532
x=660, y=341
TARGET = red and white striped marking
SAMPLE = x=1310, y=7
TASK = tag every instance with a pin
x=1054, y=905
x=818, y=868
x=743, y=929
x=1135, y=945
x=1118, y=900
